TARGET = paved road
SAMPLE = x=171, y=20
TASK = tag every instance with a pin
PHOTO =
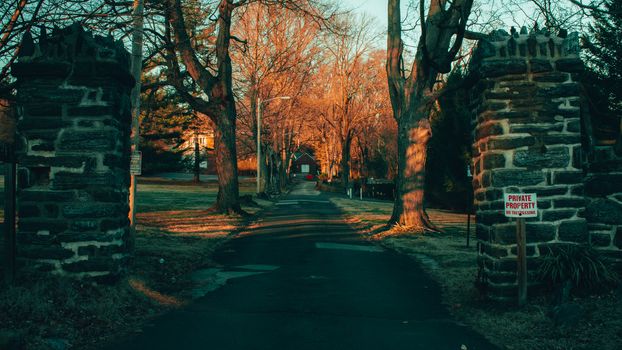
x=307, y=281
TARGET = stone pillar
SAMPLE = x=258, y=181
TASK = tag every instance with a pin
x=603, y=190
x=73, y=153
x=527, y=139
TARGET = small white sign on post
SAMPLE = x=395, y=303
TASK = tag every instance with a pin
x=136, y=163
x=521, y=205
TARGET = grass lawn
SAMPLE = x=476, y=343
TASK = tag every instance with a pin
x=175, y=234
x=446, y=258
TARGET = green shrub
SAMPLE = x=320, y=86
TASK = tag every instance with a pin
x=581, y=266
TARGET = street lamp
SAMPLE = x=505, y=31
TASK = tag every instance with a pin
x=259, y=116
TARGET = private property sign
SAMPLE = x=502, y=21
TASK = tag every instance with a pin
x=521, y=205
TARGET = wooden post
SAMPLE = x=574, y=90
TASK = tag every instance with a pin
x=468, y=233
x=521, y=259
x=9, y=220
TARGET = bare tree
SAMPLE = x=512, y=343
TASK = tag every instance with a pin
x=413, y=95
x=346, y=96
x=206, y=80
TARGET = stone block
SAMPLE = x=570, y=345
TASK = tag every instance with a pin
x=70, y=237
x=604, y=211
x=497, y=68
x=544, y=204
x=482, y=232
x=577, y=157
x=540, y=232
x=51, y=210
x=617, y=240
x=558, y=214
x=89, y=210
x=504, y=234
x=490, y=217
x=547, y=191
x=494, y=250
x=540, y=65
x=67, y=180
x=40, y=123
x=43, y=147
x=107, y=195
x=569, y=202
x=570, y=65
x=563, y=139
x=46, y=135
x=114, y=224
x=536, y=128
x=604, y=166
x=502, y=278
x=34, y=225
x=84, y=141
x=514, y=177
x=560, y=90
x=600, y=239
x=67, y=161
x=511, y=116
x=84, y=225
x=507, y=143
x=28, y=210
x=92, y=111
x=573, y=231
x=489, y=129
x=551, y=77
x=493, y=160
x=554, y=157
x=567, y=177
x=480, y=196
x=494, y=195
x=597, y=185
x=573, y=125
x=34, y=195
x=101, y=251
x=45, y=252
x=493, y=106
x=530, y=250
x=93, y=264
x=42, y=110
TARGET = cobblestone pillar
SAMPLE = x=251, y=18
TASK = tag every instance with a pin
x=527, y=140
x=73, y=152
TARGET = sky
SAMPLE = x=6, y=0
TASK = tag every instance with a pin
x=511, y=16
x=376, y=8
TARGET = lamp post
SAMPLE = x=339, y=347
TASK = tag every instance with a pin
x=259, y=116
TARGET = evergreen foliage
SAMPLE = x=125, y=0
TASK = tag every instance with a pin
x=449, y=151
x=163, y=123
x=603, y=78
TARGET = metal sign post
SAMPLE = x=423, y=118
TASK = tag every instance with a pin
x=521, y=206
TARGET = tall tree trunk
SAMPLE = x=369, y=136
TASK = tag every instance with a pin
x=265, y=159
x=227, y=200
x=197, y=159
x=414, y=133
x=345, y=161
x=442, y=32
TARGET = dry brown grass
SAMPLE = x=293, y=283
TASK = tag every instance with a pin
x=453, y=266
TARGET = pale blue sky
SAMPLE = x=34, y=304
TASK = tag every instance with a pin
x=375, y=8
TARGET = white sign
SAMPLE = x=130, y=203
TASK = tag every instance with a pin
x=521, y=205
x=136, y=163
